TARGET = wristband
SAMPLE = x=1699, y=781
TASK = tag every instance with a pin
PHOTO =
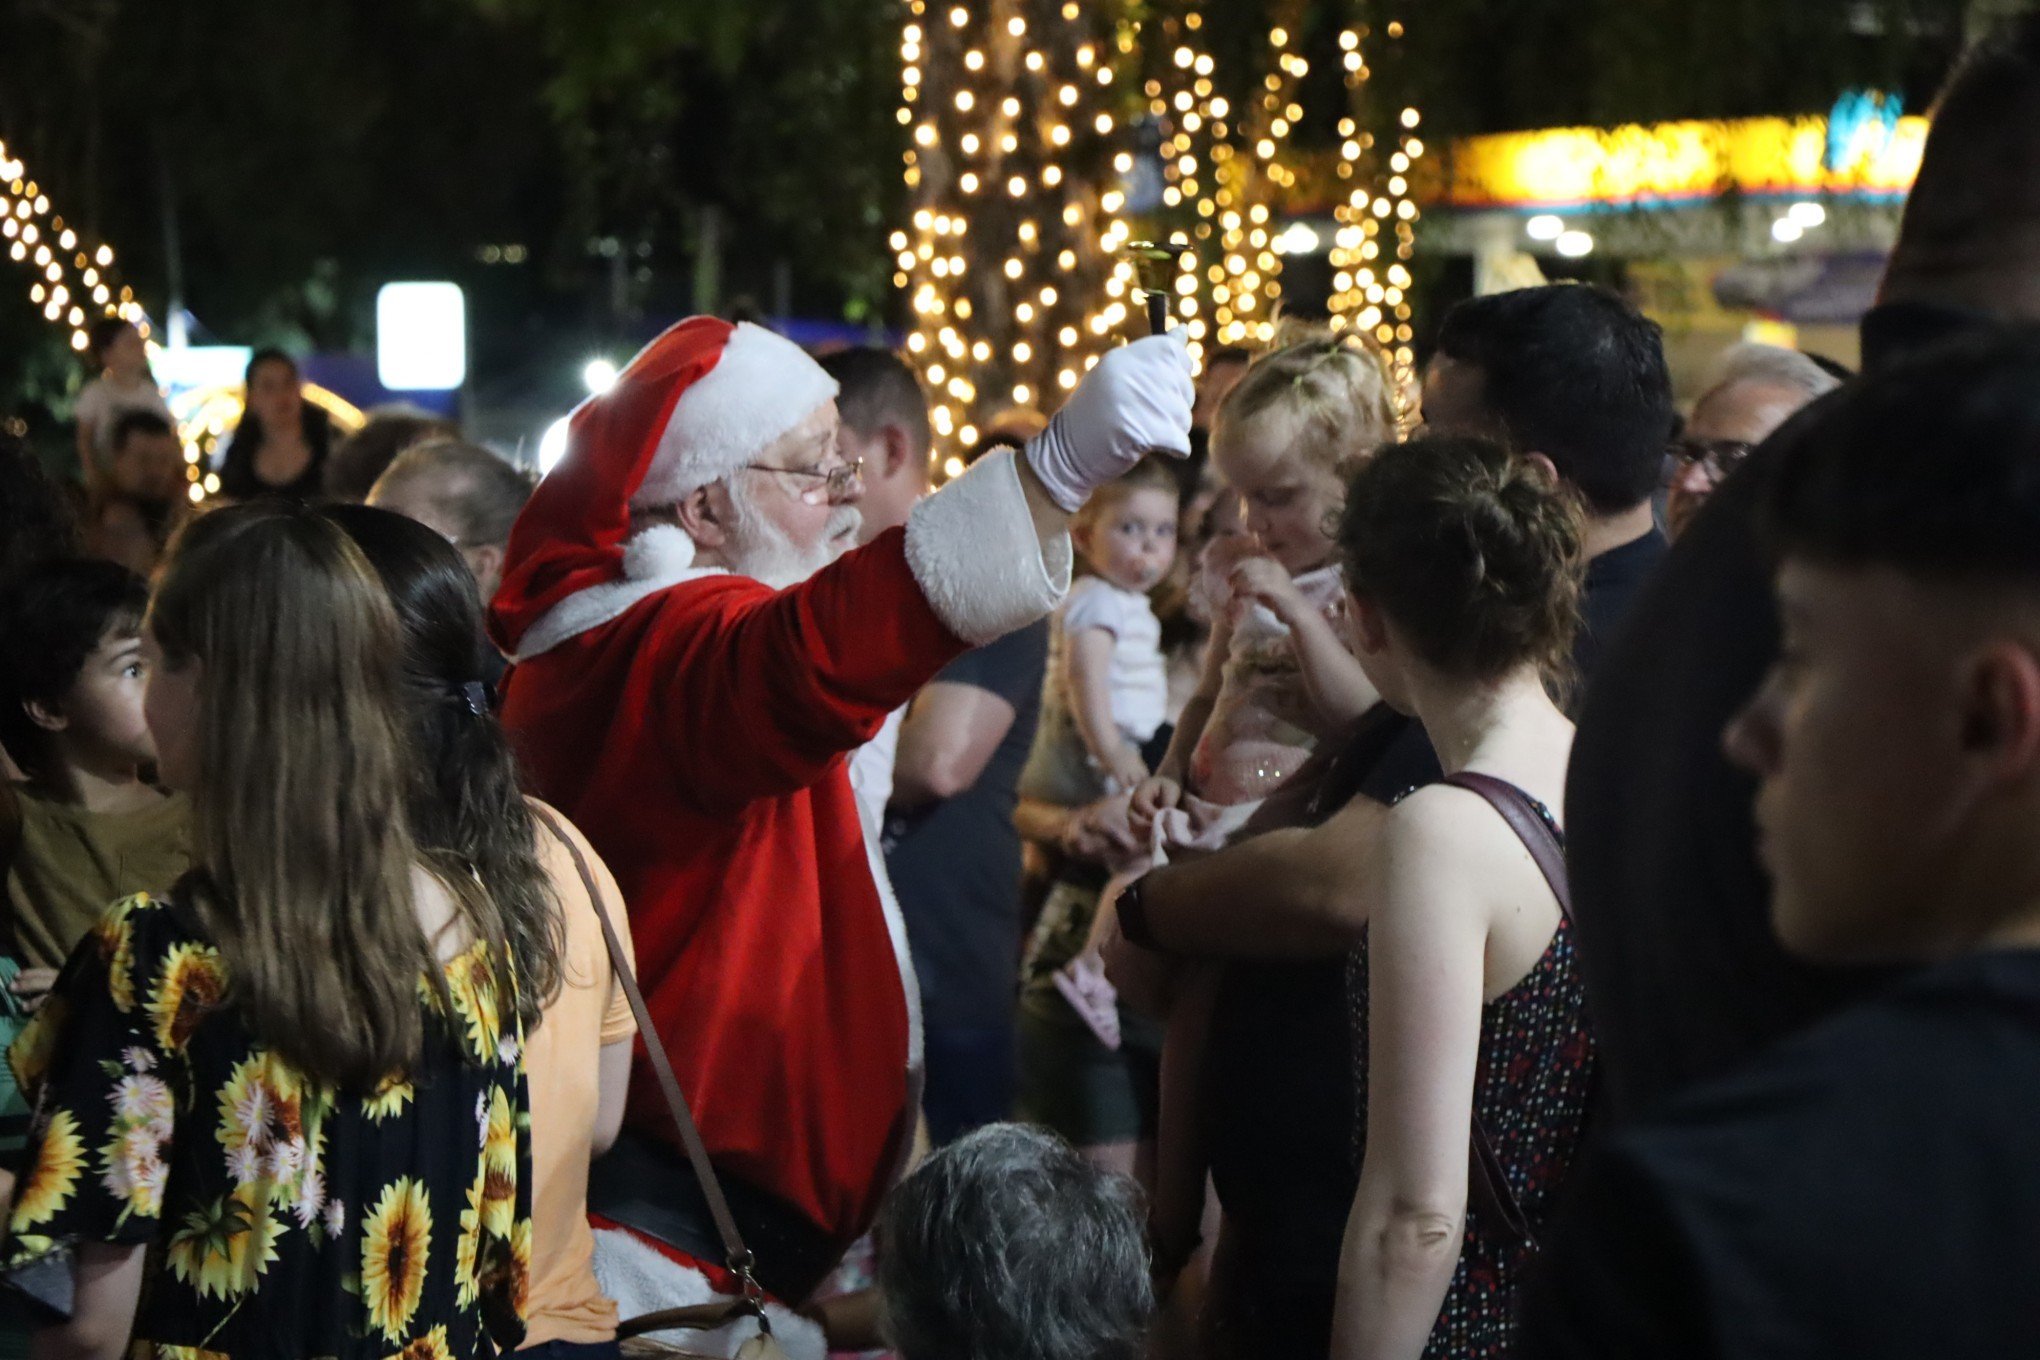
x=1134, y=925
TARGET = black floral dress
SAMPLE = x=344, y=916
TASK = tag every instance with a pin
x=1532, y=1091
x=283, y=1219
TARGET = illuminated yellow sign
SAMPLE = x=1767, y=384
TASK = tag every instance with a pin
x=1678, y=162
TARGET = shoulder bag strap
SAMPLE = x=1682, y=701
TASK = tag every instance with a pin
x=1530, y=827
x=740, y=1260
x=1489, y=1184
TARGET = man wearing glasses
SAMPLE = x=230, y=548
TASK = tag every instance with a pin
x=1759, y=388
x=699, y=644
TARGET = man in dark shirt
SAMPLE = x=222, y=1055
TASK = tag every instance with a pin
x=1668, y=899
x=1575, y=378
x=954, y=860
x=1868, y=1188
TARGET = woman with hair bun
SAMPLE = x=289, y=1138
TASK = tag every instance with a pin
x=1473, y=1056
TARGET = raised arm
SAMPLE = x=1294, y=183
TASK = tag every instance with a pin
x=1338, y=688
x=1164, y=789
x=1293, y=894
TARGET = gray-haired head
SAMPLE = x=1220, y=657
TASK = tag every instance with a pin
x=461, y=489
x=1771, y=366
x=1006, y=1245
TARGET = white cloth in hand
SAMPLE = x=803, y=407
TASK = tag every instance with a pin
x=1136, y=401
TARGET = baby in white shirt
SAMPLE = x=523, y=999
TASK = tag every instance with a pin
x=1107, y=689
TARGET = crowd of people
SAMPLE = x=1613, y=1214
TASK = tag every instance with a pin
x=1263, y=862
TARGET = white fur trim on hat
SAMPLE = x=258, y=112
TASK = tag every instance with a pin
x=761, y=387
x=974, y=552
x=653, y=559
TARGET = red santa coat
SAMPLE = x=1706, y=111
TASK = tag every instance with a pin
x=695, y=725
x=699, y=740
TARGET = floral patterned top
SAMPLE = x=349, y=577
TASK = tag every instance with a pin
x=284, y=1219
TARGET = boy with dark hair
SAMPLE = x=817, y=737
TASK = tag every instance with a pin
x=1867, y=1188
x=1575, y=377
x=85, y=828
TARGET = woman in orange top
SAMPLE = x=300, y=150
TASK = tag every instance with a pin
x=578, y=1058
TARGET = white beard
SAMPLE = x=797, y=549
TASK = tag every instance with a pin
x=761, y=550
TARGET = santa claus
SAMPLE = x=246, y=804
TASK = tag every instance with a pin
x=697, y=649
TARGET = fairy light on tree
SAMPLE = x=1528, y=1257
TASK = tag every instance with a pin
x=1008, y=261
x=1225, y=159
x=73, y=284
x=1376, y=237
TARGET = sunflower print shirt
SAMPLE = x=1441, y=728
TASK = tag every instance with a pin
x=284, y=1219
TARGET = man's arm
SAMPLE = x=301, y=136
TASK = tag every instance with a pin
x=1283, y=894
x=950, y=735
x=769, y=689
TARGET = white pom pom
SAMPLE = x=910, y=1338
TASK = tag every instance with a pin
x=659, y=553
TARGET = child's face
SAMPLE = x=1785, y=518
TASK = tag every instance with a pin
x=1132, y=541
x=1289, y=503
x=171, y=707
x=102, y=713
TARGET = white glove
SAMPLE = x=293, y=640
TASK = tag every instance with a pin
x=1135, y=402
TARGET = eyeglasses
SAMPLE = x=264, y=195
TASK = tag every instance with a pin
x=836, y=482
x=1716, y=457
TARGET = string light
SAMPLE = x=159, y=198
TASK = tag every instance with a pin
x=1224, y=169
x=1376, y=235
x=53, y=250
x=1011, y=136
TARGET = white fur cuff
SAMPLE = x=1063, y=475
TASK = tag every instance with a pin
x=974, y=552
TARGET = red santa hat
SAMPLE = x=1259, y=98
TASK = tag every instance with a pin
x=694, y=406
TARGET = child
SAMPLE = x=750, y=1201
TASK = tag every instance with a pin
x=1104, y=697
x=88, y=829
x=124, y=384
x=1279, y=675
x=84, y=829
x=1280, y=672
x=1107, y=691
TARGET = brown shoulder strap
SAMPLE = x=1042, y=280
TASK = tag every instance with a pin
x=1530, y=827
x=1489, y=1183
x=740, y=1260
